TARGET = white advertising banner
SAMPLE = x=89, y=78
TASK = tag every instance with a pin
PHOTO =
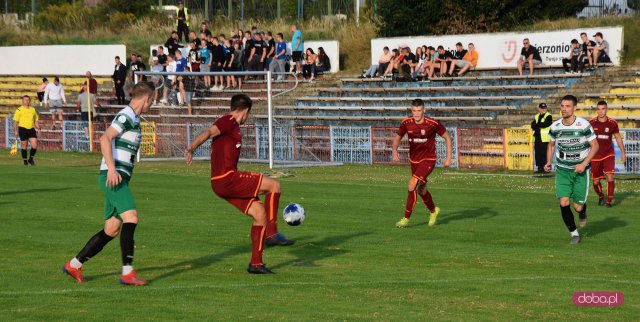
x=503, y=49
x=60, y=59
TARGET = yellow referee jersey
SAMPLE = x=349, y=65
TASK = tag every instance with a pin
x=26, y=117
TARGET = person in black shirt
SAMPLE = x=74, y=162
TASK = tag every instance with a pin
x=217, y=59
x=257, y=55
x=162, y=58
x=204, y=30
x=182, y=21
x=587, y=52
x=458, y=55
x=528, y=56
x=271, y=49
x=119, y=77
x=247, y=50
x=440, y=63
x=194, y=39
x=172, y=43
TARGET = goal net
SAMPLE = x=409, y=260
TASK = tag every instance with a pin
x=187, y=103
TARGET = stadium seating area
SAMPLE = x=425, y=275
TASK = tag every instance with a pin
x=623, y=99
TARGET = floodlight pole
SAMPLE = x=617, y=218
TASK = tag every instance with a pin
x=270, y=119
x=89, y=113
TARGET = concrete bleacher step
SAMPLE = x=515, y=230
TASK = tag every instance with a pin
x=441, y=88
x=397, y=108
x=378, y=118
x=408, y=99
x=625, y=85
x=611, y=106
x=469, y=78
x=611, y=95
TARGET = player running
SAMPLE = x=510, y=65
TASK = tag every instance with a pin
x=577, y=145
x=241, y=189
x=422, y=156
x=603, y=164
x=119, y=145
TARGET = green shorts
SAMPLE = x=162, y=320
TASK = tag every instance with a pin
x=116, y=200
x=573, y=185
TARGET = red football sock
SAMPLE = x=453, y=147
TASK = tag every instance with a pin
x=598, y=188
x=428, y=201
x=257, y=238
x=411, y=202
x=271, y=204
x=611, y=187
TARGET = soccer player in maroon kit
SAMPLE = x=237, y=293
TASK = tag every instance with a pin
x=422, y=156
x=241, y=189
x=603, y=164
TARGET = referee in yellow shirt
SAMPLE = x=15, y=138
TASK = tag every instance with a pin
x=25, y=125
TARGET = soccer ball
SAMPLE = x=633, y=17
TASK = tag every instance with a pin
x=293, y=214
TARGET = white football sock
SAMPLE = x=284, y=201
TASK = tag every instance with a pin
x=126, y=269
x=75, y=263
x=574, y=233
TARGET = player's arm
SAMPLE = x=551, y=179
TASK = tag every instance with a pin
x=447, y=140
x=36, y=123
x=550, y=149
x=113, y=177
x=211, y=132
x=592, y=153
x=623, y=154
x=394, y=148
x=78, y=105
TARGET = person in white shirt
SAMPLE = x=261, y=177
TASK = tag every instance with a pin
x=171, y=79
x=54, y=99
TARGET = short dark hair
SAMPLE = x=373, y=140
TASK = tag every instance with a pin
x=280, y=35
x=174, y=32
x=254, y=27
x=160, y=47
x=583, y=34
x=574, y=41
x=385, y=47
x=26, y=96
x=571, y=98
x=240, y=102
x=440, y=47
x=56, y=79
x=44, y=79
x=431, y=48
x=602, y=103
x=459, y=44
x=143, y=89
x=417, y=102
x=222, y=36
x=118, y=57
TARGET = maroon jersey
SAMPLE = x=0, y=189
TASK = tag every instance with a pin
x=604, y=133
x=422, y=138
x=225, y=148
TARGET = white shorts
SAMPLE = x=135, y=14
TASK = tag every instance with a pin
x=55, y=106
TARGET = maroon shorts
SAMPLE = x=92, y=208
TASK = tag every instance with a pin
x=422, y=169
x=238, y=188
x=195, y=67
x=602, y=167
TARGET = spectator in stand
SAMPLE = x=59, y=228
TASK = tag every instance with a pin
x=156, y=79
x=85, y=103
x=204, y=30
x=309, y=67
x=236, y=64
x=182, y=21
x=194, y=57
x=171, y=82
x=470, y=60
x=405, y=66
x=422, y=57
x=415, y=61
x=574, y=58
x=280, y=53
x=119, y=77
x=439, y=62
x=194, y=39
x=154, y=54
x=187, y=88
x=601, y=50
x=257, y=55
x=181, y=63
x=55, y=100
x=254, y=31
x=271, y=49
x=228, y=58
x=172, y=43
x=247, y=50
x=297, y=46
x=93, y=83
x=587, y=51
x=323, y=63
x=379, y=69
x=205, y=62
x=458, y=55
x=528, y=56
x=162, y=58
x=217, y=58
x=40, y=91
x=396, y=59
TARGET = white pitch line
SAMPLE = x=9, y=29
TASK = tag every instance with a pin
x=319, y=284
x=493, y=174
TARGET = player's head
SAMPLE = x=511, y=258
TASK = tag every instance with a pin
x=143, y=94
x=568, y=106
x=26, y=101
x=241, y=105
x=56, y=80
x=417, y=110
x=542, y=108
x=602, y=109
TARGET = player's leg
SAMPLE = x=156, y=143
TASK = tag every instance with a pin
x=597, y=173
x=34, y=148
x=519, y=64
x=24, y=140
x=564, y=188
x=579, y=194
x=258, y=230
x=424, y=170
x=609, y=169
x=127, y=245
x=271, y=189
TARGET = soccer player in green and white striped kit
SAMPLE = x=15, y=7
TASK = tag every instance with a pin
x=577, y=145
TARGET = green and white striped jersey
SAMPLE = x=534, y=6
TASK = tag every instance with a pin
x=573, y=142
x=125, y=146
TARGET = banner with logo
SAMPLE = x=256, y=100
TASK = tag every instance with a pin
x=503, y=49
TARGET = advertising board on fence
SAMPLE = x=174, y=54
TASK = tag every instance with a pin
x=503, y=49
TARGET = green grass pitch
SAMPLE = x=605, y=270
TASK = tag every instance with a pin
x=500, y=250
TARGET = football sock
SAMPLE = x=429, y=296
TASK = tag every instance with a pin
x=126, y=269
x=575, y=233
x=257, y=239
x=24, y=154
x=127, y=243
x=32, y=153
x=567, y=216
x=271, y=204
x=598, y=189
x=411, y=202
x=611, y=187
x=93, y=246
x=428, y=201
x=75, y=263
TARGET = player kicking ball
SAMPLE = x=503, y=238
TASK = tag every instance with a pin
x=604, y=163
x=577, y=145
x=119, y=145
x=422, y=132
x=241, y=189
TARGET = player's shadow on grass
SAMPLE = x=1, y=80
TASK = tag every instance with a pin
x=446, y=218
x=598, y=227
x=619, y=197
x=308, y=253
x=17, y=192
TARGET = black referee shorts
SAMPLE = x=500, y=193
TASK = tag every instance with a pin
x=26, y=134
